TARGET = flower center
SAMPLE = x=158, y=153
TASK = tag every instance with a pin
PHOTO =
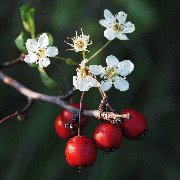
x=110, y=72
x=41, y=53
x=83, y=71
x=117, y=27
x=79, y=44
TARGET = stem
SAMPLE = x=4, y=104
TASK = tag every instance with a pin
x=80, y=111
x=97, y=52
x=65, y=59
x=84, y=54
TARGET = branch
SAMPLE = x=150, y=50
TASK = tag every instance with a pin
x=108, y=116
x=13, y=62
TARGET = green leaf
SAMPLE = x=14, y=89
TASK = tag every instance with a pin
x=27, y=16
x=47, y=81
x=71, y=62
x=20, y=42
x=51, y=39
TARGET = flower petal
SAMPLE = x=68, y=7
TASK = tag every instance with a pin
x=80, y=83
x=52, y=51
x=125, y=67
x=107, y=14
x=121, y=84
x=92, y=82
x=106, y=85
x=121, y=17
x=122, y=36
x=43, y=40
x=31, y=58
x=104, y=23
x=110, y=34
x=112, y=61
x=44, y=62
x=128, y=27
x=96, y=69
x=31, y=45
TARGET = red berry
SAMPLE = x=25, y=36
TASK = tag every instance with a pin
x=61, y=130
x=67, y=116
x=80, y=151
x=108, y=136
x=136, y=126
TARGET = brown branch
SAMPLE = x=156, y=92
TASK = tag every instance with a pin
x=13, y=62
x=19, y=113
x=108, y=116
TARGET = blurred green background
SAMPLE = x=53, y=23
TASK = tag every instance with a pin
x=31, y=150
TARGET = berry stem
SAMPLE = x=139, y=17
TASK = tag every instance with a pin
x=80, y=110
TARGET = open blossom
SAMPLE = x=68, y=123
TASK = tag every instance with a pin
x=114, y=73
x=39, y=51
x=80, y=43
x=116, y=25
x=85, y=78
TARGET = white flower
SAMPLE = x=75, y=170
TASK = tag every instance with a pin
x=114, y=73
x=80, y=43
x=39, y=51
x=85, y=78
x=116, y=25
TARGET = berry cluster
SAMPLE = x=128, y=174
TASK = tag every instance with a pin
x=81, y=151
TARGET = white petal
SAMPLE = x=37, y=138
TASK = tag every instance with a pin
x=43, y=40
x=106, y=85
x=108, y=14
x=122, y=36
x=86, y=38
x=125, y=67
x=44, y=62
x=121, y=17
x=31, y=58
x=92, y=82
x=80, y=83
x=83, y=63
x=110, y=34
x=96, y=69
x=52, y=51
x=104, y=23
x=112, y=61
x=31, y=45
x=121, y=84
x=128, y=27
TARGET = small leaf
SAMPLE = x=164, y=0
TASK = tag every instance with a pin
x=27, y=16
x=51, y=39
x=71, y=62
x=47, y=81
x=20, y=42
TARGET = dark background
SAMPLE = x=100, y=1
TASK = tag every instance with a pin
x=32, y=150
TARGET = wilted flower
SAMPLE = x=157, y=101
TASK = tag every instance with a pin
x=116, y=25
x=80, y=43
x=39, y=51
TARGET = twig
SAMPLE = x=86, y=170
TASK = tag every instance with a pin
x=13, y=62
x=108, y=116
x=17, y=113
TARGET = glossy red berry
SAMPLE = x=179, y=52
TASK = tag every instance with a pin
x=107, y=136
x=67, y=116
x=136, y=126
x=80, y=151
x=61, y=130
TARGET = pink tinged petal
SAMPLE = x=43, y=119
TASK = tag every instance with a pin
x=43, y=40
x=104, y=23
x=112, y=61
x=52, y=51
x=122, y=36
x=110, y=34
x=92, y=82
x=96, y=69
x=128, y=28
x=121, y=17
x=106, y=85
x=31, y=45
x=121, y=84
x=31, y=58
x=44, y=62
x=108, y=14
x=125, y=67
